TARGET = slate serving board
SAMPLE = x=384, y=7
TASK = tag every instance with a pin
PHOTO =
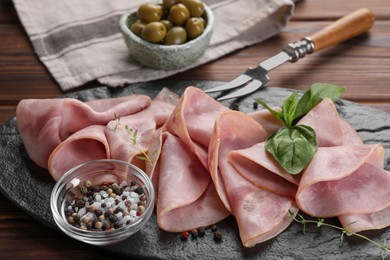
x=29, y=187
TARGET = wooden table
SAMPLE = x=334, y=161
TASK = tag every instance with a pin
x=362, y=65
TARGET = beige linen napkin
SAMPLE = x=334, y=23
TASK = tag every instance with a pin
x=80, y=41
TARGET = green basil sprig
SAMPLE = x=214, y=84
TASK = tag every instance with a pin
x=293, y=146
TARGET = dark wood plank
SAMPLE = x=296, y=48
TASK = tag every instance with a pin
x=331, y=10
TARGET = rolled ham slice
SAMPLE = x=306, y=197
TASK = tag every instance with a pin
x=260, y=214
x=44, y=123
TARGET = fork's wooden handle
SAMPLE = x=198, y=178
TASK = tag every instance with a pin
x=343, y=29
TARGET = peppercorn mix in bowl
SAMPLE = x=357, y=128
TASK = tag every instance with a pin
x=102, y=202
x=168, y=35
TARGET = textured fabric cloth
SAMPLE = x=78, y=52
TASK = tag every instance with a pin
x=80, y=41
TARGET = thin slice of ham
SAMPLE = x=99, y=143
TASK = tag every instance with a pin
x=344, y=180
x=260, y=214
x=186, y=196
x=268, y=121
x=124, y=138
x=184, y=184
x=90, y=143
x=44, y=123
x=326, y=122
x=259, y=167
x=193, y=120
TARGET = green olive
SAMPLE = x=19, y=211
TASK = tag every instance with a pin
x=154, y=32
x=168, y=25
x=194, y=27
x=178, y=14
x=150, y=12
x=137, y=27
x=167, y=4
x=176, y=35
x=195, y=7
x=203, y=21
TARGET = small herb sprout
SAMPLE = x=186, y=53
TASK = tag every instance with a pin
x=133, y=138
x=293, y=146
x=344, y=231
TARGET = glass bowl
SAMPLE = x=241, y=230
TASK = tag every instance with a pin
x=165, y=57
x=88, y=191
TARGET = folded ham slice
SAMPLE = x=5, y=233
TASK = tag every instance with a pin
x=260, y=214
x=193, y=119
x=343, y=180
x=44, y=123
x=268, y=121
x=187, y=198
x=259, y=167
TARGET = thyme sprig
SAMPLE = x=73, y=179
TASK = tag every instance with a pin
x=133, y=138
x=344, y=230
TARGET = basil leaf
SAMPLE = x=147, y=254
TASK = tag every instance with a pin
x=288, y=109
x=293, y=147
x=314, y=96
x=273, y=112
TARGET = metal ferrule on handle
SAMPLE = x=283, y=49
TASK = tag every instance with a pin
x=299, y=49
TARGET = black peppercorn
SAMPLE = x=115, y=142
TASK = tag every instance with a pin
x=201, y=231
x=139, y=190
x=234, y=106
x=194, y=233
x=213, y=228
x=217, y=236
x=80, y=203
x=113, y=218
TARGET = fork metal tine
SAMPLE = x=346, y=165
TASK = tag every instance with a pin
x=251, y=87
x=235, y=83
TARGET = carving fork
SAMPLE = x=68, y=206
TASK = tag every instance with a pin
x=252, y=79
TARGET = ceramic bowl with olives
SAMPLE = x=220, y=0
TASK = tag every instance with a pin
x=168, y=35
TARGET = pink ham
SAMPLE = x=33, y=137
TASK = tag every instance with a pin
x=259, y=167
x=260, y=214
x=362, y=222
x=326, y=122
x=184, y=183
x=192, y=120
x=186, y=197
x=344, y=180
x=44, y=123
x=131, y=137
x=87, y=144
x=115, y=137
x=269, y=122
x=152, y=169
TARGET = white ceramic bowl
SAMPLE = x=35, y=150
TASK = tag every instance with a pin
x=165, y=57
x=98, y=171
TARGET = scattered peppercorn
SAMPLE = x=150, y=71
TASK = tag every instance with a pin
x=184, y=235
x=201, y=231
x=234, y=106
x=217, y=236
x=213, y=228
x=194, y=233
